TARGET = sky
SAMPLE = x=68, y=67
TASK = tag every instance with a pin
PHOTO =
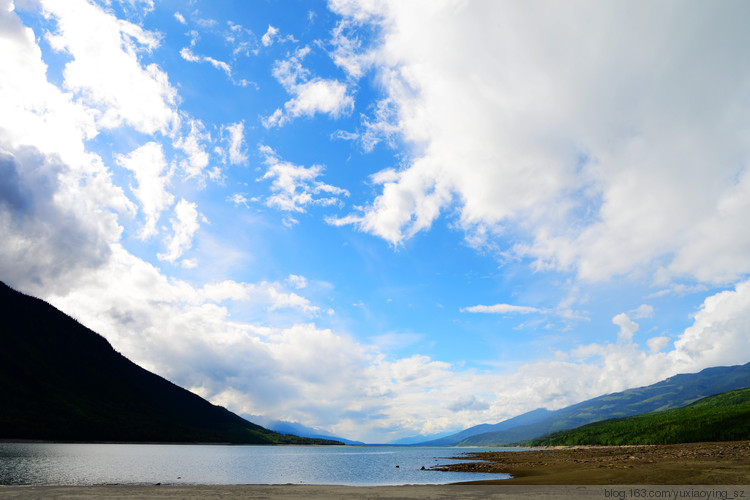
x=382, y=218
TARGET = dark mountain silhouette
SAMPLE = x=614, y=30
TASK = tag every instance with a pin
x=674, y=392
x=60, y=381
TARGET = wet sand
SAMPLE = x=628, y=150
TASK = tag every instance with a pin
x=683, y=464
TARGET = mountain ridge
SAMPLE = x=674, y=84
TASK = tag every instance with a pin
x=672, y=392
x=721, y=417
x=61, y=381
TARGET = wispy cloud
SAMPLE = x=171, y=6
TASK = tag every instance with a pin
x=150, y=169
x=295, y=187
x=188, y=55
x=184, y=226
x=502, y=309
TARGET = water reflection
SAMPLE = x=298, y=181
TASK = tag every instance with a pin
x=86, y=464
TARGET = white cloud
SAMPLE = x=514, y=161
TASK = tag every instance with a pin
x=718, y=336
x=643, y=311
x=272, y=36
x=470, y=403
x=309, y=95
x=271, y=32
x=148, y=164
x=189, y=263
x=296, y=187
x=207, y=23
x=184, y=226
x=107, y=75
x=180, y=18
x=627, y=326
x=192, y=144
x=49, y=182
x=347, y=49
x=271, y=295
x=585, y=132
x=139, y=6
x=501, y=309
x=188, y=55
x=358, y=392
x=237, y=153
x=297, y=281
x=239, y=199
x=382, y=127
x=49, y=240
x=656, y=344
x=243, y=41
x=61, y=233
x=679, y=289
x=319, y=96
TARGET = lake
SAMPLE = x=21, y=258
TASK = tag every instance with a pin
x=90, y=464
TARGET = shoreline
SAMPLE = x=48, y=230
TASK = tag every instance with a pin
x=700, y=469
x=680, y=464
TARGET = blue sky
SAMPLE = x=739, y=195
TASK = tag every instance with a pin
x=383, y=219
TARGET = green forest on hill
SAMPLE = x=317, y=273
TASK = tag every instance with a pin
x=723, y=417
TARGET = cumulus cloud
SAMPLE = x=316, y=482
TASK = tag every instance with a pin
x=719, y=333
x=627, y=326
x=501, y=160
x=556, y=119
x=359, y=392
x=49, y=182
x=310, y=95
x=48, y=241
x=107, y=75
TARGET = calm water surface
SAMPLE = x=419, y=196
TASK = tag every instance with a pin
x=87, y=464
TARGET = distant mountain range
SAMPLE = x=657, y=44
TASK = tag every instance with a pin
x=60, y=381
x=673, y=392
x=297, y=429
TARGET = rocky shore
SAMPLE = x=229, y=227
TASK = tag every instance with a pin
x=691, y=463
